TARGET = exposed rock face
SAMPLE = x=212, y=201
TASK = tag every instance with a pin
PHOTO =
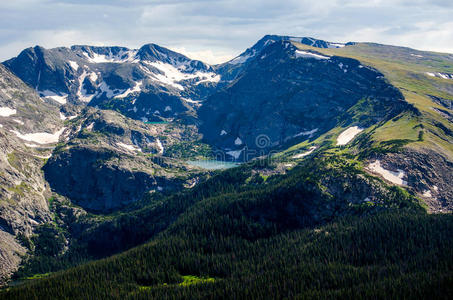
x=111, y=161
x=100, y=180
x=427, y=173
x=10, y=255
x=284, y=94
x=23, y=190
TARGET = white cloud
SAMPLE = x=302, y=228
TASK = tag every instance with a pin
x=208, y=56
x=215, y=30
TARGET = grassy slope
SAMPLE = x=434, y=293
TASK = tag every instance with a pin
x=407, y=73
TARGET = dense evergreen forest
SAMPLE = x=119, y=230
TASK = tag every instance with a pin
x=384, y=256
x=238, y=235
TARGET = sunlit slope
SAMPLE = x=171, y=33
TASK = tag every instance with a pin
x=411, y=71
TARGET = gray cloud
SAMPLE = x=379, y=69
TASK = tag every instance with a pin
x=216, y=30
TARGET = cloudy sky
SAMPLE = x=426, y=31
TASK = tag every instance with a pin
x=217, y=30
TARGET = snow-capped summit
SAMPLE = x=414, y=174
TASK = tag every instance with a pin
x=270, y=39
x=141, y=81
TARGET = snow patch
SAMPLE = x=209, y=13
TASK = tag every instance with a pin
x=305, y=54
x=31, y=145
x=93, y=76
x=90, y=127
x=308, y=132
x=440, y=75
x=109, y=93
x=392, y=176
x=63, y=117
x=81, y=92
x=54, y=96
x=347, y=135
x=40, y=137
x=18, y=121
x=136, y=89
x=160, y=146
x=44, y=157
x=190, y=101
x=235, y=153
x=6, y=111
x=242, y=58
x=173, y=74
x=128, y=147
x=416, y=55
x=121, y=57
x=209, y=78
x=336, y=45
x=301, y=155
x=74, y=65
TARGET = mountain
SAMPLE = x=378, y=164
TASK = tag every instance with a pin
x=232, y=68
x=26, y=121
x=285, y=94
x=107, y=150
x=50, y=148
x=115, y=158
x=149, y=83
x=422, y=138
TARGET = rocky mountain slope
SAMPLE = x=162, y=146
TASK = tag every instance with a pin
x=101, y=160
x=416, y=145
x=146, y=84
x=110, y=161
x=149, y=83
x=29, y=126
x=285, y=95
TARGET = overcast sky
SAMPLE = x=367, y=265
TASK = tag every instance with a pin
x=217, y=30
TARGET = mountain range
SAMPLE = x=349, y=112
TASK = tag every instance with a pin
x=128, y=152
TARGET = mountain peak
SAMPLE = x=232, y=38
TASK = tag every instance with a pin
x=271, y=38
x=153, y=52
